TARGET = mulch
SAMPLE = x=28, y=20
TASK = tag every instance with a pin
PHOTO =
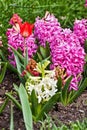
x=75, y=111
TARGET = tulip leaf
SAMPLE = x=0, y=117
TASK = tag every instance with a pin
x=13, y=69
x=11, y=119
x=27, y=115
x=18, y=63
x=17, y=53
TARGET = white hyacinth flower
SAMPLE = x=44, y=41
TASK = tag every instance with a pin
x=45, y=87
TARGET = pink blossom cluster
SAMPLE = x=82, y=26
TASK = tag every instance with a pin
x=46, y=29
x=16, y=40
x=68, y=54
x=66, y=50
x=80, y=29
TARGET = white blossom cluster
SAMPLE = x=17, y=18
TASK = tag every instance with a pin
x=44, y=87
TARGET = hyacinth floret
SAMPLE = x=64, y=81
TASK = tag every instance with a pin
x=45, y=29
x=44, y=87
x=68, y=54
x=80, y=29
x=65, y=46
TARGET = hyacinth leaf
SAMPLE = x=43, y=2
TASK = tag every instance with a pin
x=81, y=88
x=45, y=63
x=27, y=115
x=34, y=102
x=17, y=53
x=41, y=66
x=85, y=46
x=70, y=94
x=11, y=119
x=3, y=72
x=48, y=105
x=64, y=91
x=85, y=71
x=45, y=51
x=4, y=105
x=39, y=56
x=86, y=58
x=2, y=55
x=59, y=84
x=13, y=100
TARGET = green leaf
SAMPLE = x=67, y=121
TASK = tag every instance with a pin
x=70, y=94
x=45, y=51
x=48, y=105
x=12, y=119
x=4, y=105
x=17, y=53
x=85, y=71
x=59, y=84
x=26, y=58
x=86, y=57
x=10, y=67
x=64, y=91
x=45, y=63
x=18, y=64
x=27, y=115
x=3, y=72
x=34, y=102
x=15, y=87
x=14, y=100
x=2, y=55
x=81, y=88
x=54, y=127
x=85, y=46
x=39, y=56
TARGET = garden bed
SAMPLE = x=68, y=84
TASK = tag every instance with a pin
x=76, y=111
x=46, y=47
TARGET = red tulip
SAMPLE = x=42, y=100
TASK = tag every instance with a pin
x=26, y=29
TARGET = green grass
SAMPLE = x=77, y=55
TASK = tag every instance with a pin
x=30, y=9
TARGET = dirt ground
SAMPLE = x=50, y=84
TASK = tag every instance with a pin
x=73, y=112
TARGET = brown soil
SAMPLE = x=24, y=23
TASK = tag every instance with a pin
x=73, y=112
